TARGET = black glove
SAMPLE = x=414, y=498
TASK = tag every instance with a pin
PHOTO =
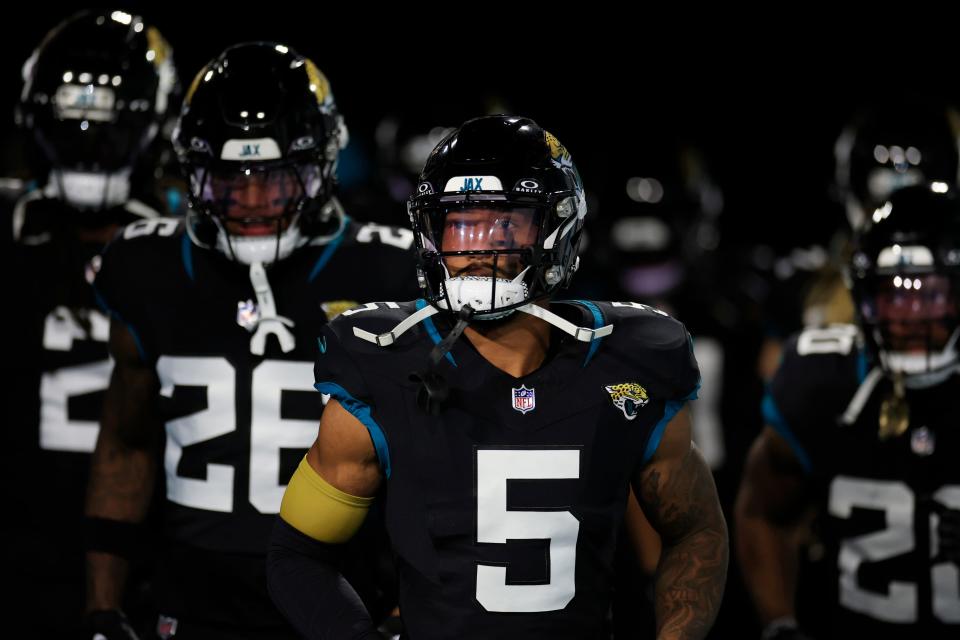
x=391, y=628
x=110, y=624
x=783, y=629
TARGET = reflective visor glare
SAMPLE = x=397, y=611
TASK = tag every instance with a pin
x=482, y=228
x=914, y=311
x=911, y=297
x=90, y=146
x=256, y=193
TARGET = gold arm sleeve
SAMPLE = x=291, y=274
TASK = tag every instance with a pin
x=318, y=509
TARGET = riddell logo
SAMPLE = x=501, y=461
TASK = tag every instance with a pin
x=250, y=150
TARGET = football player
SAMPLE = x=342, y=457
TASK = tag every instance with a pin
x=506, y=427
x=97, y=92
x=214, y=326
x=860, y=430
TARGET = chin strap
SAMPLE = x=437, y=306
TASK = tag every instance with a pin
x=270, y=322
x=434, y=389
x=861, y=396
x=583, y=334
x=388, y=338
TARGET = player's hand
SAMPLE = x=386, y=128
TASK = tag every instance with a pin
x=110, y=624
x=391, y=628
x=784, y=629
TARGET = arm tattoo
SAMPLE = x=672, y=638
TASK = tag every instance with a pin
x=682, y=505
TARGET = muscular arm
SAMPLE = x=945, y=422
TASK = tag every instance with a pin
x=677, y=494
x=643, y=538
x=302, y=573
x=343, y=453
x=123, y=465
x=768, y=525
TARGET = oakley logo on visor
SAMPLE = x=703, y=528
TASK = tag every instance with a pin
x=461, y=184
x=254, y=149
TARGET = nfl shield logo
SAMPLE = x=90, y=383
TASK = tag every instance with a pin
x=248, y=315
x=524, y=399
x=923, y=442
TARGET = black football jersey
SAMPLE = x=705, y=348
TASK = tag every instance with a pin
x=879, y=499
x=237, y=422
x=58, y=369
x=503, y=510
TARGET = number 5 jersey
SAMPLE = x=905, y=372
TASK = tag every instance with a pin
x=503, y=509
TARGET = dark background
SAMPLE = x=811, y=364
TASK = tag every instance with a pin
x=763, y=92
x=764, y=95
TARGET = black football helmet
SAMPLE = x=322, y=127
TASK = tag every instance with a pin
x=896, y=144
x=96, y=94
x=258, y=139
x=658, y=223
x=905, y=271
x=497, y=216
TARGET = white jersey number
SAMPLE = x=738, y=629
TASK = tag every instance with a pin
x=269, y=432
x=897, y=502
x=497, y=524
x=836, y=338
x=57, y=431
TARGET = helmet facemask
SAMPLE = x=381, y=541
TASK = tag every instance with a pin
x=911, y=313
x=493, y=252
x=254, y=212
x=258, y=139
x=913, y=319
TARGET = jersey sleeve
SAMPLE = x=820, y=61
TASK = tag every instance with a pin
x=818, y=372
x=115, y=286
x=681, y=383
x=336, y=375
x=658, y=350
x=133, y=268
x=685, y=381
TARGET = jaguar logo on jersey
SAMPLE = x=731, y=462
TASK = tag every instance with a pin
x=248, y=315
x=629, y=397
x=524, y=400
